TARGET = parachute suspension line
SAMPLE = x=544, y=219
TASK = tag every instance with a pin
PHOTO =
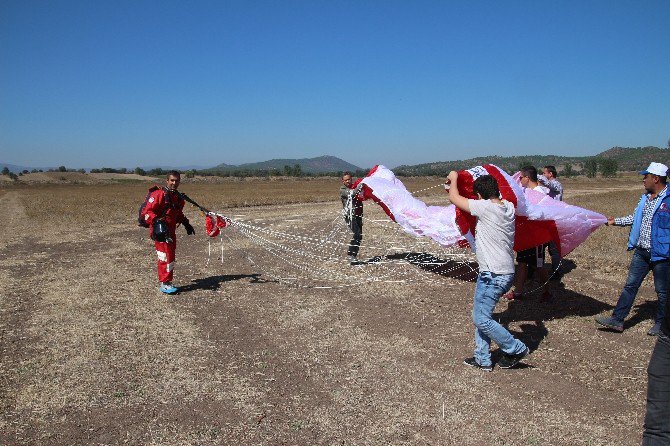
x=209, y=252
x=428, y=188
x=319, y=258
x=287, y=280
x=549, y=277
x=348, y=210
x=553, y=273
x=424, y=261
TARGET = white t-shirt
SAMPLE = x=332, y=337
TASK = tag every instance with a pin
x=494, y=235
x=543, y=189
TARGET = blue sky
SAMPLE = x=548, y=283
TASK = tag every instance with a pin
x=133, y=83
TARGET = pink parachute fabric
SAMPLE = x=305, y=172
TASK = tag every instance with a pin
x=539, y=218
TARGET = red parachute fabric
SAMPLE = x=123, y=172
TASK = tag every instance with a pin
x=214, y=225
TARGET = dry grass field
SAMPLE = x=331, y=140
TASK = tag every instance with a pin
x=92, y=354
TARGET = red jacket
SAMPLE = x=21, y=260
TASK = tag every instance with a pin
x=167, y=204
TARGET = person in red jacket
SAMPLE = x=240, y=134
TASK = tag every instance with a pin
x=163, y=212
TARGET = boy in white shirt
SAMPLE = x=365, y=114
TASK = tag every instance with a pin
x=494, y=243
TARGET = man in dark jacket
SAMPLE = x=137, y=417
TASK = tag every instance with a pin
x=353, y=213
x=650, y=241
x=657, y=418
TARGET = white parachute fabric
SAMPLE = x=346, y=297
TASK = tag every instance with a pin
x=573, y=223
x=413, y=215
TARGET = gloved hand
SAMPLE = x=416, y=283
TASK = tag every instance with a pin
x=189, y=228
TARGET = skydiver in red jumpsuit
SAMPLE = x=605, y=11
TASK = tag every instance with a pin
x=166, y=204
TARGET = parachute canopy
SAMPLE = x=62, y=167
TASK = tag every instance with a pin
x=539, y=218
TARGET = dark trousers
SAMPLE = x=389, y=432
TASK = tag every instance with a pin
x=555, y=255
x=657, y=418
x=356, y=226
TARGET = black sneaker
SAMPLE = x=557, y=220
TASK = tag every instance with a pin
x=473, y=363
x=655, y=330
x=509, y=361
x=610, y=323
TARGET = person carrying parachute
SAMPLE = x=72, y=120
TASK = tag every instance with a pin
x=353, y=213
x=494, y=242
x=161, y=212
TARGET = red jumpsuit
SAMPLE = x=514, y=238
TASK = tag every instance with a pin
x=167, y=204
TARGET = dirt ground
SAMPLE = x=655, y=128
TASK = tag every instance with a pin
x=92, y=354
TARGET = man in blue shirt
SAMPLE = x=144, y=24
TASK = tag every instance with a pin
x=650, y=240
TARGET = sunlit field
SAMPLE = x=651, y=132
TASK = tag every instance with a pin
x=92, y=353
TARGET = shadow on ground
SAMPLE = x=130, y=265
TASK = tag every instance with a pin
x=565, y=267
x=213, y=283
x=465, y=271
x=533, y=311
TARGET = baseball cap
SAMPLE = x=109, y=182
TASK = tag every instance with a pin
x=656, y=169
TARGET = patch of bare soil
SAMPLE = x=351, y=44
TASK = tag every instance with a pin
x=92, y=353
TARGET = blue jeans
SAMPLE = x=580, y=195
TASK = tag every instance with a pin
x=490, y=287
x=640, y=265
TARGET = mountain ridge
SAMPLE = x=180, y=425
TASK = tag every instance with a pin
x=319, y=164
x=628, y=159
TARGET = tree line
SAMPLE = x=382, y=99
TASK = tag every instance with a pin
x=607, y=167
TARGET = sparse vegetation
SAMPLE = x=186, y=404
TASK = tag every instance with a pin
x=608, y=167
x=568, y=171
x=591, y=167
x=241, y=359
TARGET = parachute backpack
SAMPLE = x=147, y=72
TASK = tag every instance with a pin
x=141, y=215
x=159, y=231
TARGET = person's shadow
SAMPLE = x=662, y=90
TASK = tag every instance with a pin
x=567, y=266
x=213, y=283
x=565, y=303
x=465, y=271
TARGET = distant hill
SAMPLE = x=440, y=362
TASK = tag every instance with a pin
x=14, y=168
x=629, y=159
x=321, y=164
x=507, y=163
x=637, y=158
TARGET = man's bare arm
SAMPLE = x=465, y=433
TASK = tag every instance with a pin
x=455, y=197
